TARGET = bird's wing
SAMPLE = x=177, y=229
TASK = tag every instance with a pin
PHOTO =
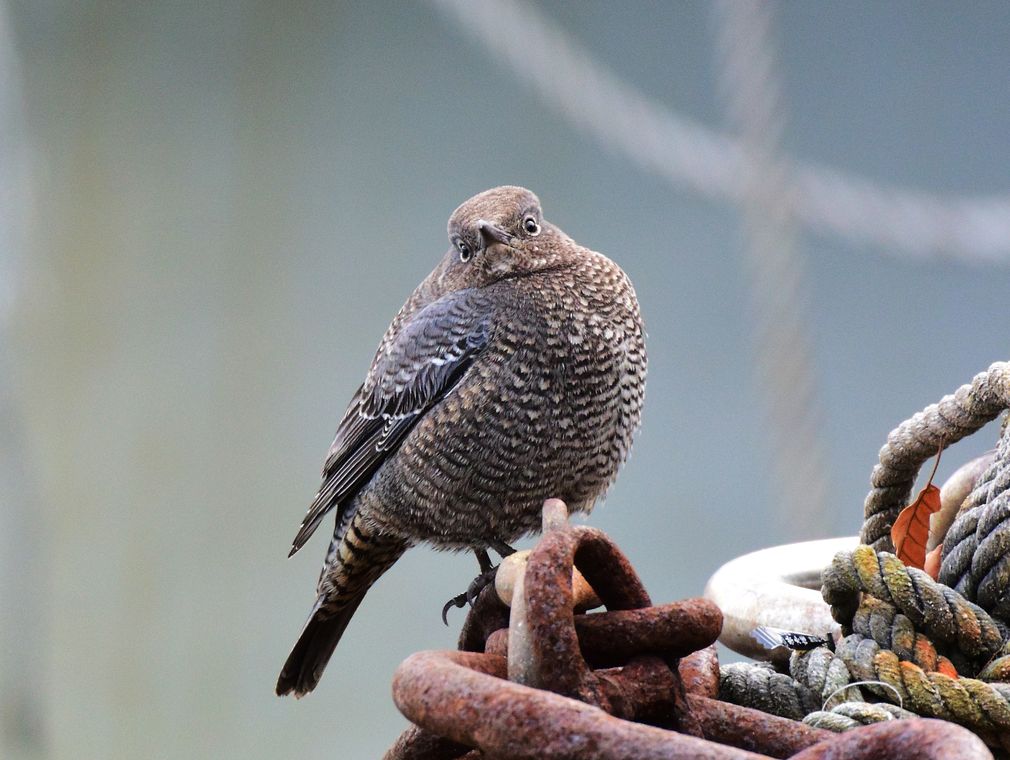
x=409, y=375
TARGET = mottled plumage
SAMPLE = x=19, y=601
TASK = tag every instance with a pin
x=514, y=372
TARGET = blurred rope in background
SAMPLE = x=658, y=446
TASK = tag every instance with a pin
x=693, y=157
x=755, y=107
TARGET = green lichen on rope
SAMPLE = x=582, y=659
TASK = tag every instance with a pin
x=901, y=626
x=849, y=715
x=975, y=704
x=892, y=630
x=937, y=611
x=998, y=669
x=968, y=701
x=824, y=674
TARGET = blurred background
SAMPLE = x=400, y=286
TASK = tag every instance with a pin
x=210, y=211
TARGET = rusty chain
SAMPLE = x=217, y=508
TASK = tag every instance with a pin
x=636, y=681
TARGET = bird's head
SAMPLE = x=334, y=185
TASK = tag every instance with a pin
x=497, y=234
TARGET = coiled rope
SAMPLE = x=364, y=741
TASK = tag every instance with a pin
x=939, y=649
x=849, y=715
x=914, y=441
x=936, y=610
x=976, y=549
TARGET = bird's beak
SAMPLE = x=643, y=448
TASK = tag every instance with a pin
x=491, y=234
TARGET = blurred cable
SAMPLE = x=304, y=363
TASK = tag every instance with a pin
x=22, y=572
x=713, y=165
x=747, y=67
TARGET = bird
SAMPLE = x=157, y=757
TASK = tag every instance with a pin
x=514, y=372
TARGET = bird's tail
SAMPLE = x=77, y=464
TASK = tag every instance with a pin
x=355, y=561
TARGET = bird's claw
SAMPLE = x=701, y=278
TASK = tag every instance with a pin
x=469, y=596
x=456, y=601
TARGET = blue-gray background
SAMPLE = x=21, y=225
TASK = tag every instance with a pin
x=227, y=202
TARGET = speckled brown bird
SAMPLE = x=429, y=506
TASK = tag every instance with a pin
x=513, y=373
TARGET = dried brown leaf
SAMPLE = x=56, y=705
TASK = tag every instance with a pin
x=911, y=530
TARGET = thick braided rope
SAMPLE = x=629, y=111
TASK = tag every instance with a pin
x=816, y=676
x=852, y=660
x=976, y=549
x=998, y=669
x=820, y=674
x=882, y=622
x=849, y=715
x=973, y=703
x=915, y=440
x=981, y=706
x=937, y=611
x=761, y=687
x=824, y=674
x=894, y=611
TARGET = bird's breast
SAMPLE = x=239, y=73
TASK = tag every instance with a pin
x=549, y=408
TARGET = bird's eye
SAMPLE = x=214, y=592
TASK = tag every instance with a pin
x=531, y=226
x=464, y=251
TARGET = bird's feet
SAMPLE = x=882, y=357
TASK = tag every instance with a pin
x=478, y=584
